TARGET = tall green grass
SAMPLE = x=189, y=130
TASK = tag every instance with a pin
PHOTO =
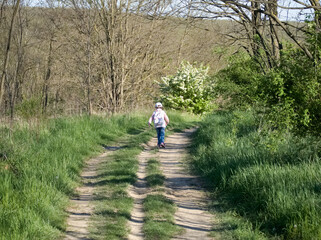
x=40, y=167
x=272, y=181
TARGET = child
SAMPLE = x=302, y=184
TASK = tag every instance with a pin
x=160, y=119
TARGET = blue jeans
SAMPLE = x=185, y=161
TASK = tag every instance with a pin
x=160, y=135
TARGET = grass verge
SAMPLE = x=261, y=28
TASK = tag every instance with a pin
x=112, y=203
x=272, y=181
x=159, y=218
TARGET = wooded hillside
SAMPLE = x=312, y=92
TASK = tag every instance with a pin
x=59, y=57
x=78, y=59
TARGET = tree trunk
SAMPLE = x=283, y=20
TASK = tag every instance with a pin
x=45, y=95
x=6, y=58
x=89, y=104
x=2, y=9
x=256, y=22
x=273, y=11
x=291, y=35
x=17, y=79
x=317, y=5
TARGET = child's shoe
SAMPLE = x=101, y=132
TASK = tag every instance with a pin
x=162, y=145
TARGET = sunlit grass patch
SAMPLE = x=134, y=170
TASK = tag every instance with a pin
x=154, y=176
x=113, y=205
x=159, y=210
x=180, y=121
x=40, y=167
x=231, y=227
x=159, y=218
x=111, y=215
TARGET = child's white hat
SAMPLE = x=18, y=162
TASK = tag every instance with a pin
x=157, y=105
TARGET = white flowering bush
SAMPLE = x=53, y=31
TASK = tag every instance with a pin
x=187, y=90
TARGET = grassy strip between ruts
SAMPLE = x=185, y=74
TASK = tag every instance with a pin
x=112, y=203
x=159, y=217
x=272, y=182
x=40, y=166
x=159, y=210
x=155, y=177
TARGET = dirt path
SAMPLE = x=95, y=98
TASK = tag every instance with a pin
x=81, y=206
x=139, y=191
x=181, y=187
x=184, y=189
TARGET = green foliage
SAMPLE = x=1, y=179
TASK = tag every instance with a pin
x=239, y=82
x=289, y=95
x=314, y=38
x=272, y=182
x=188, y=90
x=302, y=87
x=29, y=108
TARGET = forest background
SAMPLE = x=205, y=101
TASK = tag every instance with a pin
x=67, y=57
x=92, y=56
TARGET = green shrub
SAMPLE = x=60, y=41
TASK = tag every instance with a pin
x=239, y=82
x=29, y=108
x=289, y=94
